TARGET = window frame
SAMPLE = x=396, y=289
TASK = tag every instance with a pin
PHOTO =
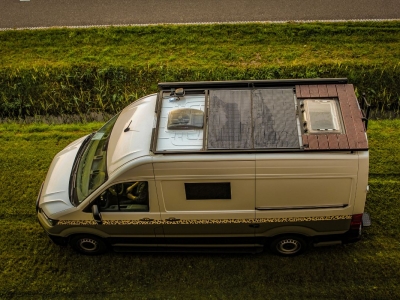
x=336, y=116
x=147, y=201
x=194, y=190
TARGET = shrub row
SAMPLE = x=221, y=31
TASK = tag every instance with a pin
x=82, y=89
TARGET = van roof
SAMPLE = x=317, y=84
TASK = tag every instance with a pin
x=258, y=115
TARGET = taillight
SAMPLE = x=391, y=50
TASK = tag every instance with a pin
x=356, y=221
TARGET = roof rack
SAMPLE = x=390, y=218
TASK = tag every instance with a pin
x=248, y=83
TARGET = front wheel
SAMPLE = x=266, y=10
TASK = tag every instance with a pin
x=288, y=245
x=88, y=244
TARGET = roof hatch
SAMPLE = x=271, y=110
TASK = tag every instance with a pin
x=185, y=118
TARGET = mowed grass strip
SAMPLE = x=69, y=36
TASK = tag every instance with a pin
x=32, y=267
x=211, y=46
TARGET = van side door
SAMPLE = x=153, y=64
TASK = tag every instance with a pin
x=207, y=202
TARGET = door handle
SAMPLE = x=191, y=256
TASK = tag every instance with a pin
x=172, y=219
x=146, y=219
x=254, y=225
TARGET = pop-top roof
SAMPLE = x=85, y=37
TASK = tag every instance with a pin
x=285, y=115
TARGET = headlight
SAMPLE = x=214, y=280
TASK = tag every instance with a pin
x=49, y=221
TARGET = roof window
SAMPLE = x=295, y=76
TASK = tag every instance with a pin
x=321, y=116
x=185, y=118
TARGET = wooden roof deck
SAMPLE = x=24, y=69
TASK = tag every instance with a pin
x=355, y=137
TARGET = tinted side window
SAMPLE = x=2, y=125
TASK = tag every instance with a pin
x=128, y=196
x=208, y=191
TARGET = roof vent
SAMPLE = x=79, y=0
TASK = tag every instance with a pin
x=176, y=94
x=185, y=118
x=322, y=116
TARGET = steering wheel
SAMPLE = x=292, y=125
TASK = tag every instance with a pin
x=104, y=199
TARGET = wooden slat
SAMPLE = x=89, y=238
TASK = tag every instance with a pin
x=352, y=140
x=305, y=141
x=323, y=141
x=363, y=144
x=331, y=90
x=305, y=91
x=298, y=91
x=351, y=133
x=341, y=92
x=343, y=143
x=323, y=90
x=361, y=140
x=312, y=142
x=314, y=93
x=359, y=127
x=347, y=116
x=333, y=141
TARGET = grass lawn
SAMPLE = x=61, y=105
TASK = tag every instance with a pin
x=75, y=71
x=209, y=46
x=31, y=267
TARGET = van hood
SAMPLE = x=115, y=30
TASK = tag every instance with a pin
x=131, y=135
x=55, y=193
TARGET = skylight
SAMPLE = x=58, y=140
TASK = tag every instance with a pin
x=322, y=116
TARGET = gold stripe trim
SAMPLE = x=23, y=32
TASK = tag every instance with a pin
x=215, y=221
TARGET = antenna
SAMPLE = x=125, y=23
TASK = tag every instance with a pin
x=127, y=128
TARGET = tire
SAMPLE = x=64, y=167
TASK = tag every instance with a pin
x=289, y=245
x=88, y=244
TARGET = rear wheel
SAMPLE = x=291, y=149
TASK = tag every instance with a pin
x=88, y=244
x=288, y=245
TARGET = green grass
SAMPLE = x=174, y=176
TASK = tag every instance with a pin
x=31, y=267
x=75, y=71
x=211, y=46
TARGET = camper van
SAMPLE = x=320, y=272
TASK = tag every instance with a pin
x=216, y=166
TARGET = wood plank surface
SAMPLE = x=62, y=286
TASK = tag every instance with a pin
x=314, y=92
x=333, y=141
x=323, y=90
x=354, y=136
x=313, y=142
x=331, y=90
x=343, y=143
x=298, y=91
x=305, y=91
x=323, y=142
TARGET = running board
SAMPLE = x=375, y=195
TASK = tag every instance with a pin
x=191, y=249
x=331, y=243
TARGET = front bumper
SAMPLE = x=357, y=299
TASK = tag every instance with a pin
x=58, y=240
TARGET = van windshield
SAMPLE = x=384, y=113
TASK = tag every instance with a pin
x=91, y=168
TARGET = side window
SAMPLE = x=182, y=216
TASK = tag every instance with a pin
x=208, y=191
x=128, y=196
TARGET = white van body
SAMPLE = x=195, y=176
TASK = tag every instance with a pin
x=141, y=184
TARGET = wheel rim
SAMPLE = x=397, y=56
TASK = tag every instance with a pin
x=88, y=245
x=288, y=246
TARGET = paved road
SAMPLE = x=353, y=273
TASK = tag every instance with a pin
x=38, y=13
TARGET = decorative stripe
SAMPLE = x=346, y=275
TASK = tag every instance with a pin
x=77, y=222
x=215, y=221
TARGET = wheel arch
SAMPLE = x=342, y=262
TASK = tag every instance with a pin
x=305, y=232
x=73, y=231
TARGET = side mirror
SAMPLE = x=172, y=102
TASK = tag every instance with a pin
x=96, y=214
